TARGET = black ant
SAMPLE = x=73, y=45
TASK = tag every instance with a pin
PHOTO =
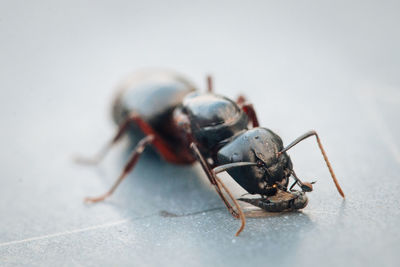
x=186, y=126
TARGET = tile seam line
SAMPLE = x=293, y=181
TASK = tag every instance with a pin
x=89, y=228
x=74, y=231
x=64, y=233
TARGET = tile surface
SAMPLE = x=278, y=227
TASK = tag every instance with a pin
x=305, y=65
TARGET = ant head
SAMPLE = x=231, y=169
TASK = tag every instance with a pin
x=260, y=146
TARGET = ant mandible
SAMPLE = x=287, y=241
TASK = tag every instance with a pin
x=186, y=126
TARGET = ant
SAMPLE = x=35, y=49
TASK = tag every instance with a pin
x=186, y=126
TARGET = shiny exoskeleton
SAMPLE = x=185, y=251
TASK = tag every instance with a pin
x=186, y=126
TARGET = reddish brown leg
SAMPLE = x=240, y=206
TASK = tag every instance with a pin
x=241, y=100
x=103, y=152
x=158, y=142
x=210, y=88
x=128, y=168
x=162, y=146
x=248, y=109
x=218, y=185
x=251, y=113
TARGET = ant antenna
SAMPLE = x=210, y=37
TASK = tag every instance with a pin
x=328, y=164
x=225, y=167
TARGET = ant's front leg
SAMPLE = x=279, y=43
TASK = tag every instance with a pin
x=219, y=185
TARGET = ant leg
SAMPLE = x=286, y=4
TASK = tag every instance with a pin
x=241, y=99
x=251, y=113
x=218, y=185
x=103, y=152
x=210, y=88
x=128, y=168
x=305, y=136
x=159, y=143
x=248, y=109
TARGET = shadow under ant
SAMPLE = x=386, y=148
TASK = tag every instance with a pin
x=158, y=188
